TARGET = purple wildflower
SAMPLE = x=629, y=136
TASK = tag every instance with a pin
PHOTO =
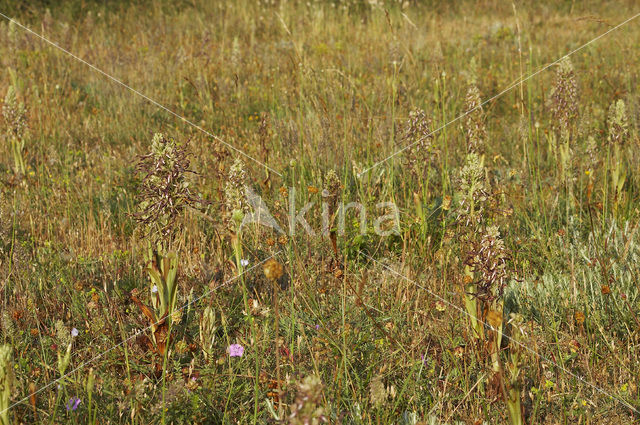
x=74, y=333
x=73, y=404
x=236, y=350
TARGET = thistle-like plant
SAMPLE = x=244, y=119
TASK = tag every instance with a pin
x=164, y=191
x=6, y=383
x=564, y=110
x=564, y=100
x=473, y=192
x=486, y=276
x=331, y=194
x=486, y=270
x=474, y=125
x=234, y=194
x=617, y=136
x=489, y=258
x=15, y=117
x=236, y=207
x=473, y=195
x=418, y=135
x=164, y=195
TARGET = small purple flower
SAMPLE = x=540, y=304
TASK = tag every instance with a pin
x=74, y=333
x=317, y=327
x=236, y=350
x=73, y=404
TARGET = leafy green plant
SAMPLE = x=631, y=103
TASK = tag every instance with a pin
x=162, y=271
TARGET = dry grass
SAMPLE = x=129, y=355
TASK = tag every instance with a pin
x=305, y=88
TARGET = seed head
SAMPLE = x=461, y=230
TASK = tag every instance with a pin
x=63, y=336
x=473, y=189
x=234, y=190
x=618, y=123
x=564, y=98
x=14, y=114
x=476, y=131
x=332, y=190
x=332, y=184
x=273, y=270
x=417, y=135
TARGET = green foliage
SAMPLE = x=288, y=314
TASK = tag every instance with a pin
x=558, y=294
x=162, y=270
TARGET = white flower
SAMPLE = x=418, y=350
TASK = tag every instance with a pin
x=74, y=332
x=244, y=263
x=154, y=289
